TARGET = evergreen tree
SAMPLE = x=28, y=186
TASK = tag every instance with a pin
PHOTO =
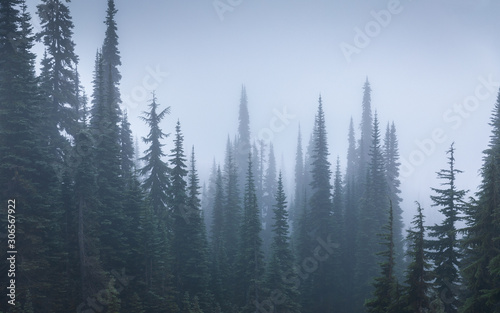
x=219, y=267
x=418, y=274
x=444, y=246
x=481, y=265
x=242, y=143
x=207, y=200
x=372, y=216
x=110, y=52
x=156, y=170
x=56, y=34
x=268, y=201
x=250, y=259
x=232, y=216
x=127, y=150
x=104, y=125
x=325, y=298
x=281, y=260
x=365, y=141
x=384, y=300
x=196, y=244
x=26, y=164
x=391, y=159
x=350, y=224
x=299, y=185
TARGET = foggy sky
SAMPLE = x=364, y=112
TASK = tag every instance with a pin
x=424, y=60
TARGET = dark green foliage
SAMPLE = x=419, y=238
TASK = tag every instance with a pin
x=104, y=125
x=27, y=164
x=56, y=34
x=384, y=295
x=155, y=170
x=418, y=274
x=110, y=53
x=391, y=159
x=481, y=265
x=280, y=268
x=268, y=200
x=444, y=246
x=127, y=150
x=372, y=216
x=250, y=259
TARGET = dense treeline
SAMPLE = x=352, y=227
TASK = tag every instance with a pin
x=95, y=231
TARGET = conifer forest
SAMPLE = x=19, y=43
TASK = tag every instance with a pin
x=101, y=215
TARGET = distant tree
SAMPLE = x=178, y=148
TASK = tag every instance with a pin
x=350, y=220
x=295, y=208
x=418, y=274
x=481, y=264
x=268, y=201
x=250, y=259
x=372, y=216
x=384, y=299
x=281, y=260
x=391, y=160
x=444, y=246
x=242, y=143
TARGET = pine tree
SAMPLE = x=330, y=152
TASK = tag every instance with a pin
x=104, y=125
x=219, y=260
x=242, y=143
x=268, y=201
x=351, y=218
x=26, y=164
x=111, y=53
x=481, y=265
x=324, y=279
x=384, y=299
x=126, y=150
x=281, y=260
x=444, y=246
x=372, y=216
x=155, y=170
x=391, y=159
x=418, y=274
x=56, y=34
x=250, y=259
x=299, y=186
x=366, y=127
x=207, y=199
x=232, y=213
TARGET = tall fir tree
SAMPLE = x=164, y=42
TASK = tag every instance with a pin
x=281, y=260
x=126, y=150
x=104, y=125
x=418, y=274
x=444, y=246
x=366, y=127
x=391, y=159
x=384, y=298
x=251, y=258
x=155, y=170
x=268, y=201
x=111, y=53
x=28, y=176
x=219, y=267
x=372, y=216
x=481, y=264
x=56, y=34
x=350, y=219
x=299, y=186
x=242, y=143
x=324, y=279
